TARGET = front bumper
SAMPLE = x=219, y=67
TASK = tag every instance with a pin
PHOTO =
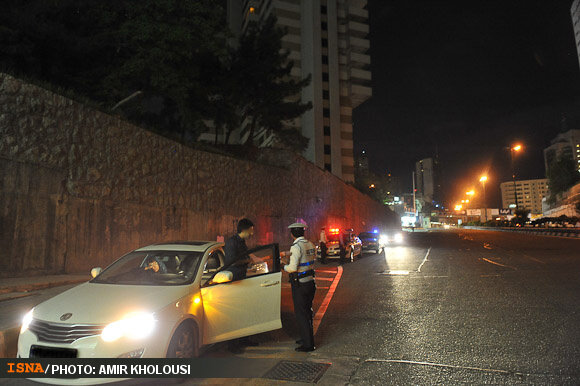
x=154, y=346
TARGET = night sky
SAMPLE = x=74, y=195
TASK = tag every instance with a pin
x=465, y=81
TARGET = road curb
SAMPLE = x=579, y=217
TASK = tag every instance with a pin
x=9, y=342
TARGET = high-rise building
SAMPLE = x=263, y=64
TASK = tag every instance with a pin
x=529, y=194
x=327, y=39
x=426, y=180
x=362, y=165
x=565, y=144
x=575, y=11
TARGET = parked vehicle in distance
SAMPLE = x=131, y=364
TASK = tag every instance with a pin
x=370, y=241
x=353, y=245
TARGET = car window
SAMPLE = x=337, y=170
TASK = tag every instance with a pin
x=262, y=261
x=152, y=268
x=214, y=263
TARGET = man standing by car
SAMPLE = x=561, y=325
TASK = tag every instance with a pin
x=236, y=261
x=236, y=251
x=322, y=244
x=300, y=266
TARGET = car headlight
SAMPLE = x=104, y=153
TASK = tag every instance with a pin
x=26, y=320
x=399, y=237
x=134, y=326
x=383, y=239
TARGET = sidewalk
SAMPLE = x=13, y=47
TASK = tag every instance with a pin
x=24, y=287
x=11, y=287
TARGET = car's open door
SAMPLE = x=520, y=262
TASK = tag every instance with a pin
x=245, y=306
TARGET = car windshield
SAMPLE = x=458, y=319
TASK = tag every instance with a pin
x=368, y=235
x=152, y=268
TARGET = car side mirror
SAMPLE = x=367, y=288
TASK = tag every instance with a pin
x=96, y=271
x=223, y=277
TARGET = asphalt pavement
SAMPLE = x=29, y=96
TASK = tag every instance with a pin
x=448, y=307
x=479, y=307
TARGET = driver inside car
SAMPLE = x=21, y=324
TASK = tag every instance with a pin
x=156, y=266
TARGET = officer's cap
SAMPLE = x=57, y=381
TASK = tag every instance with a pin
x=297, y=225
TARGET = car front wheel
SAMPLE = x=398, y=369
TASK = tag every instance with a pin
x=183, y=343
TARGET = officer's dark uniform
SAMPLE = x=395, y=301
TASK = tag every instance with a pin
x=303, y=287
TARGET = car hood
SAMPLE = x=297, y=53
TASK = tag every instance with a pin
x=91, y=303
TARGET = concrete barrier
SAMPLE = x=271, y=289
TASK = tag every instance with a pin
x=557, y=232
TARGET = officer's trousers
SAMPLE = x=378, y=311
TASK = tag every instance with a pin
x=302, y=295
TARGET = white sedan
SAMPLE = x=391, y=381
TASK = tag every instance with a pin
x=163, y=300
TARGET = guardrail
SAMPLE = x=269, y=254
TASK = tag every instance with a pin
x=560, y=232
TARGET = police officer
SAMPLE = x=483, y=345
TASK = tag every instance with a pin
x=301, y=270
x=323, y=248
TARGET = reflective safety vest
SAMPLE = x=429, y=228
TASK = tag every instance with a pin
x=306, y=261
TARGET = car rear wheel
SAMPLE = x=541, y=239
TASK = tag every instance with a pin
x=184, y=342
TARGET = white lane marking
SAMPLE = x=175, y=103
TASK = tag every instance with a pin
x=395, y=273
x=322, y=309
x=424, y=260
x=496, y=263
x=443, y=365
x=534, y=259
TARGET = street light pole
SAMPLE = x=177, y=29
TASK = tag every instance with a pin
x=512, y=150
x=414, y=205
x=482, y=180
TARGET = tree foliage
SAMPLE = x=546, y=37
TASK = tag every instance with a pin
x=265, y=85
x=164, y=64
x=110, y=49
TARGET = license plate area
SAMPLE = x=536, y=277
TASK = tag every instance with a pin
x=52, y=352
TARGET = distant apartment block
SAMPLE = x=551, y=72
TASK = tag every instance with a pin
x=529, y=194
x=567, y=144
x=327, y=39
x=426, y=180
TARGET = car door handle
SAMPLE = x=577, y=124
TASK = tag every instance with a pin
x=269, y=283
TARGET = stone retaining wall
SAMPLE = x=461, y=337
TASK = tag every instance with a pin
x=80, y=188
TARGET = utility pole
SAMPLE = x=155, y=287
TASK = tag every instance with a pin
x=414, y=204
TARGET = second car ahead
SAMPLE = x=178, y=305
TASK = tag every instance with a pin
x=370, y=241
x=391, y=237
